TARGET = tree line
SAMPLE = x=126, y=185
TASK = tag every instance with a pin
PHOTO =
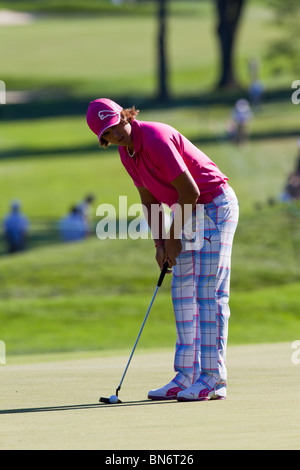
x=283, y=52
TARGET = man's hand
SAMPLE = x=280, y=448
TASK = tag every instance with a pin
x=172, y=250
x=160, y=257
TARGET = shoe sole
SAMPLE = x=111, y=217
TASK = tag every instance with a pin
x=162, y=398
x=201, y=399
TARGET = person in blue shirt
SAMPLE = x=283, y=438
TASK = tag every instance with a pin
x=73, y=227
x=16, y=227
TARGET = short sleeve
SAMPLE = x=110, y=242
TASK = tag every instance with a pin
x=166, y=153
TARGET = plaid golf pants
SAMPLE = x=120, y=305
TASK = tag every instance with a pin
x=200, y=294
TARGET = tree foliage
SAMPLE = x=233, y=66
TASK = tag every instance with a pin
x=284, y=53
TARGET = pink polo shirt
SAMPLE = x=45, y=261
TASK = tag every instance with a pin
x=161, y=155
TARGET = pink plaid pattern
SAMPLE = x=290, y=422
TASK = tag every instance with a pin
x=200, y=294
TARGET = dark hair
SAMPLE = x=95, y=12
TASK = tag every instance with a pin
x=127, y=115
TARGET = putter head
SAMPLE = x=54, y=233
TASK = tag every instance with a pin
x=106, y=400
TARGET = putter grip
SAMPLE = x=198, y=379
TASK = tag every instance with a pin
x=162, y=274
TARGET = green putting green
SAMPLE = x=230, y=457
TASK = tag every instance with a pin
x=53, y=403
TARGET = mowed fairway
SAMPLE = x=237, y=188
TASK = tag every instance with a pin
x=53, y=404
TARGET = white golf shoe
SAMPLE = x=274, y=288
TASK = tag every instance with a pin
x=198, y=392
x=168, y=392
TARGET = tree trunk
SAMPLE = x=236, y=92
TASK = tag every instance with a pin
x=229, y=14
x=163, y=91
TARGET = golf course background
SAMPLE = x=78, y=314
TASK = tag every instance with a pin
x=93, y=295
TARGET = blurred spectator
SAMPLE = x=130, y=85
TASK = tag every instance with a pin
x=292, y=188
x=16, y=227
x=256, y=87
x=298, y=159
x=86, y=210
x=256, y=90
x=72, y=226
x=238, y=127
x=253, y=65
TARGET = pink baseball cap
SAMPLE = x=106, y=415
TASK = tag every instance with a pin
x=102, y=114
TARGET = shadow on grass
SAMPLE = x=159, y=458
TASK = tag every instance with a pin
x=44, y=409
x=60, y=106
x=86, y=149
x=77, y=106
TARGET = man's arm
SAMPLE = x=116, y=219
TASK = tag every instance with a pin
x=188, y=195
x=154, y=214
x=169, y=245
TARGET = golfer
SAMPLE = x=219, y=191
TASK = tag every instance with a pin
x=168, y=169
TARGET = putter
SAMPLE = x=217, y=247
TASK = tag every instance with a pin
x=159, y=283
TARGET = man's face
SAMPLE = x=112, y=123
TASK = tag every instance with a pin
x=119, y=134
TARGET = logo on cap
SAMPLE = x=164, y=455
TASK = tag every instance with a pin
x=107, y=114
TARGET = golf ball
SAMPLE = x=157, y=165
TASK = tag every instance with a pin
x=113, y=399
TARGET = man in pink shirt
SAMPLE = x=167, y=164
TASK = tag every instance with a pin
x=168, y=169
